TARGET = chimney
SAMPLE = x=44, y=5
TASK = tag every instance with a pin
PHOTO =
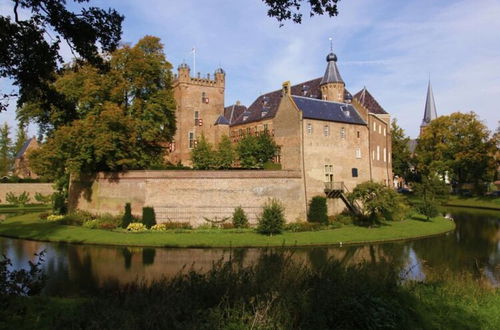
x=286, y=89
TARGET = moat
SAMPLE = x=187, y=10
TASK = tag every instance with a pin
x=473, y=248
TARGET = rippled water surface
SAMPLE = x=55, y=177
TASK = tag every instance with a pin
x=474, y=247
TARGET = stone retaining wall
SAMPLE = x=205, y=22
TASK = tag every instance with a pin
x=19, y=188
x=191, y=196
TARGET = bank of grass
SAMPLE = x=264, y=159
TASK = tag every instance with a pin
x=490, y=203
x=28, y=226
x=273, y=293
x=8, y=208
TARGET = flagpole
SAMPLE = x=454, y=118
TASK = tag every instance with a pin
x=194, y=61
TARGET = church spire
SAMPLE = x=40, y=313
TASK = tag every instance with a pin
x=430, y=108
x=332, y=74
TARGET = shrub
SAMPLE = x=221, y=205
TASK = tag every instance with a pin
x=106, y=225
x=177, y=225
x=59, y=203
x=302, y=226
x=110, y=220
x=240, y=219
x=77, y=218
x=91, y=224
x=20, y=200
x=55, y=218
x=136, y=227
x=270, y=166
x=227, y=225
x=127, y=216
x=44, y=199
x=148, y=217
x=272, y=219
x=318, y=210
x=43, y=216
x=344, y=219
x=159, y=227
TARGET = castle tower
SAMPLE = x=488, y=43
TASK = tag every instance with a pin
x=332, y=85
x=430, y=109
x=200, y=102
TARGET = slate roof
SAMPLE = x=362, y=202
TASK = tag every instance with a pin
x=266, y=105
x=221, y=120
x=332, y=74
x=369, y=102
x=430, y=107
x=328, y=110
x=232, y=112
x=23, y=148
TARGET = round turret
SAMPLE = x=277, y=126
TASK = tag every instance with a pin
x=220, y=70
x=331, y=57
x=347, y=96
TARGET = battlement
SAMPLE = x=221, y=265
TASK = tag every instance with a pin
x=184, y=76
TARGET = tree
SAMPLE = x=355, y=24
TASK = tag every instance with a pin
x=254, y=151
x=432, y=192
x=5, y=150
x=318, y=211
x=240, y=219
x=458, y=146
x=21, y=138
x=203, y=155
x=400, y=151
x=127, y=218
x=225, y=153
x=376, y=201
x=284, y=10
x=30, y=43
x=118, y=120
x=272, y=219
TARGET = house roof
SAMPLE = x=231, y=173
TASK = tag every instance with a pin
x=23, y=149
x=328, y=110
x=266, y=105
x=221, y=120
x=232, y=112
x=368, y=101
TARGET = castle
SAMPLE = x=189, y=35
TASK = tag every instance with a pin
x=329, y=142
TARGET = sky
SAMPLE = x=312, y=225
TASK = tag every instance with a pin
x=392, y=47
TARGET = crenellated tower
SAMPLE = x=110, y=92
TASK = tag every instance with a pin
x=200, y=102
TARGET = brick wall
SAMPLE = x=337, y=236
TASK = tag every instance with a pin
x=19, y=188
x=189, y=196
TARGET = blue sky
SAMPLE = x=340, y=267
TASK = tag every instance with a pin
x=391, y=47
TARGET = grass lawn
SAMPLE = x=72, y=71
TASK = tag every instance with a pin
x=28, y=226
x=478, y=202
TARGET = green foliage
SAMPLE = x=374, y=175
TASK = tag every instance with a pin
x=272, y=219
x=203, y=155
x=21, y=138
x=401, y=155
x=344, y=219
x=458, y=146
x=21, y=282
x=301, y=226
x=377, y=202
x=148, y=217
x=44, y=199
x=432, y=192
x=59, y=203
x=6, y=157
x=127, y=216
x=318, y=211
x=240, y=219
x=270, y=166
x=254, y=151
x=20, y=200
x=284, y=10
x=111, y=120
x=226, y=154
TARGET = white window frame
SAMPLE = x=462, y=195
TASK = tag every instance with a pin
x=309, y=128
x=358, y=153
x=326, y=130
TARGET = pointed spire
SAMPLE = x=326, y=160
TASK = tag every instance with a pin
x=332, y=74
x=430, y=107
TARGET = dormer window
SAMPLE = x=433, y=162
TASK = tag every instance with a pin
x=245, y=118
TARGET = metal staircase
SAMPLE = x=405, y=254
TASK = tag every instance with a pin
x=339, y=190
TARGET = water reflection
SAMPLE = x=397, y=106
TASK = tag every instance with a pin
x=77, y=269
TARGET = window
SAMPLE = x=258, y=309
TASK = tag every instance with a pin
x=196, y=117
x=379, y=129
x=266, y=127
x=204, y=98
x=385, y=155
x=354, y=172
x=378, y=152
x=342, y=133
x=385, y=132
x=191, y=140
x=374, y=126
x=358, y=134
x=373, y=154
x=358, y=153
x=240, y=131
x=326, y=130
x=248, y=130
x=309, y=128
x=328, y=173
